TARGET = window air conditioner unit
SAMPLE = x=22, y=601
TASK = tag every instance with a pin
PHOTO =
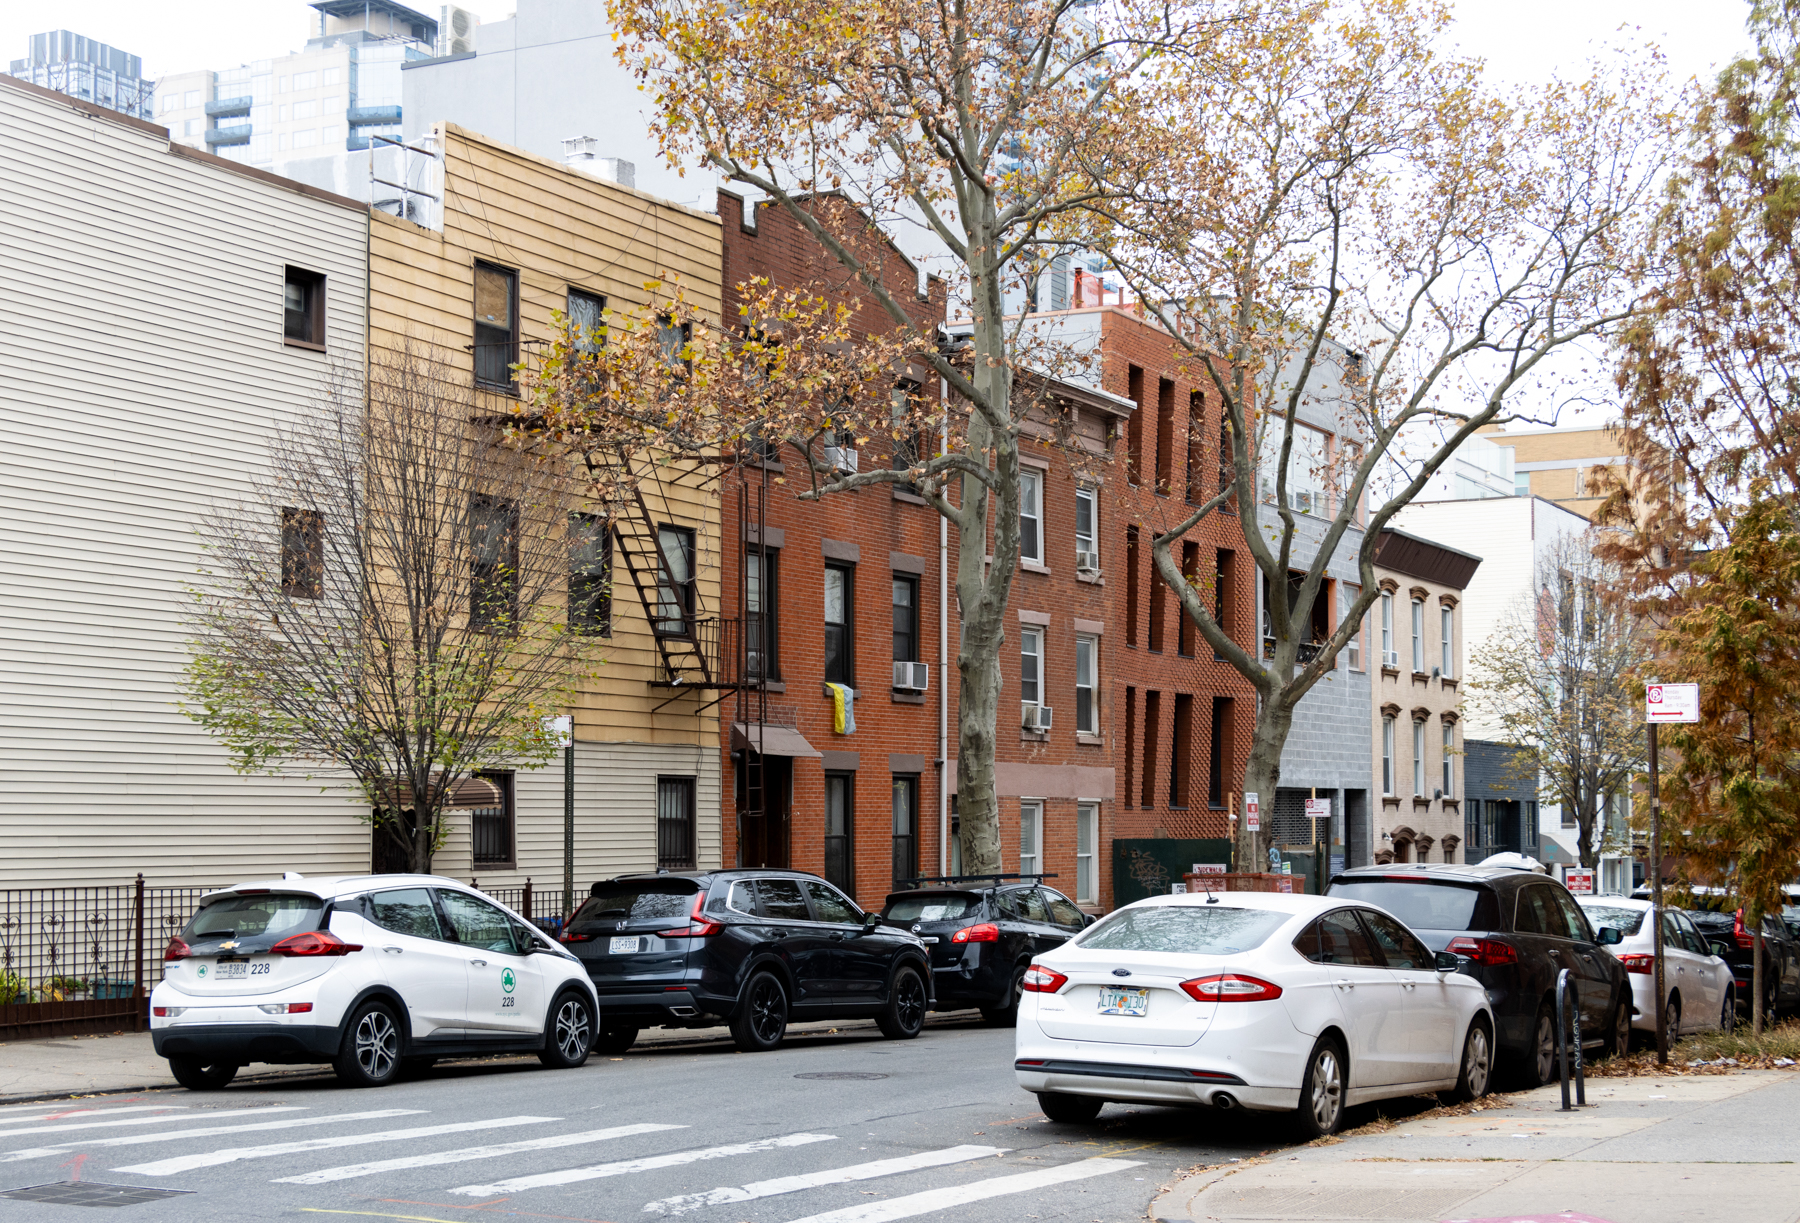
x=1036, y=717
x=1392, y=659
x=841, y=458
x=1087, y=562
x=911, y=676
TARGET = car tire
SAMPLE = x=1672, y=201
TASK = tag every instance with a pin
x=369, y=1055
x=1321, y=1109
x=1728, y=1012
x=904, y=1015
x=197, y=1075
x=1065, y=1109
x=762, y=1014
x=1007, y=1016
x=1672, y=1016
x=615, y=1040
x=1618, y=1039
x=568, y=1031
x=1476, y=1074
x=1538, y=1066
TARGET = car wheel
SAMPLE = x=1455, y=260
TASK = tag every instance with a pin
x=762, y=1014
x=370, y=1054
x=1728, y=1013
x=1477, y=1065
x=1672, y=1017
x=1008, y=1015
x=570, y=1032
x=196, y=1075
x=1069, y=1110
x=904, y=1015
x=1321, y=1108
x=1618, y=1038
x=1540, y=1054
x=615, y=1040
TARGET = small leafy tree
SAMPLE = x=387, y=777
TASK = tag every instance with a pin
x=1558, y=675
x=388, y=604
x=1735, y=793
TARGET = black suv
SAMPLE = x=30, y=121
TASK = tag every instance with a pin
x=756, y=948
x=982, y=938
x=1781, y=955
x=1515, y=930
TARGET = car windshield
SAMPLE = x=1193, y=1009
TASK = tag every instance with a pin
x=932, y=906
x=1625, y=921
x=263, y=920
x=634, y=900
x=1183, y=929
x=1425, y=904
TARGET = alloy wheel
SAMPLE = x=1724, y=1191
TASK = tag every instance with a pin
x=1546, y=1048
x=768, y=1011
x=1478, y=1062
x=1672, y=1017
x=377, y=1044
x=1327, y=1090
x=1728, y=1016
x=909, y=1003
x=572, y=1029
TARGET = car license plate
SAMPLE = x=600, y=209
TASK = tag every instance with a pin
x=1116, y=1001
x=233, y=969
x=623, y=946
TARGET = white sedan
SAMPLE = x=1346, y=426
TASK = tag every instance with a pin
x=1249, y=1000
x=1699, y=992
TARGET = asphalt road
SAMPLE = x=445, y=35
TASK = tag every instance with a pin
x=846, y=1127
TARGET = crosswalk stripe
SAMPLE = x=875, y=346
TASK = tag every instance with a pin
x=569, y=1176
x=63, y=1114
x=961, y=1195
x=210, y=1159
x=132, y=1140
x=812, y=1180
x=463, y=1154
x=103, y=1125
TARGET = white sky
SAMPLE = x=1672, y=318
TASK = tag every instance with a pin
x=1523, y=40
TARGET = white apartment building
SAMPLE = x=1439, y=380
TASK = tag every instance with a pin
x=87, y=69
x=147, y=359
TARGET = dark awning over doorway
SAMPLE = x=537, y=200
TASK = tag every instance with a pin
x=769, y=740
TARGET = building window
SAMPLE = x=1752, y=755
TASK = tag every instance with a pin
x=590, y=575
x=1087, y=551
x=1184, y=624
x=1305, y=470
x=1449, y=759
x=1130, y=740
x=674, y=581
x=1418, y=754
x=1087, y=840
x=1159, y=608
x=1444, y=622
x=840, y=617
x=906, y=619
x=1387, y=755
x=1227, y=460
x=494, y=555
x=1152, y=733
x=302, y=553
x=1418, y=635
x=674, y=338
x=1134, y=428
x=1353, y=647
x=496, y=325
x=1031, y=660
x=1183, y=752
x=906, y=829
x=675, y=824
x=762, y=617
x=1031, y=837
x=1215, y=767
x=1222, y=593
x=1131, y=585
x=586, y=313
x=913, y=444
x=1031, y=514
x=303, y=307
x=1165, y=435
x=491, y=828
x=1521, y=484
x=1388, y=657
x=840, y=826
x=1086, y=720
x=1196, y=431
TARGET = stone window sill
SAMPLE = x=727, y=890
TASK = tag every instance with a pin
x=901, y=494
x=1028, y=736
x=1087, y=740
x=1089, y=576
x=907, y=698
x=1033, y=567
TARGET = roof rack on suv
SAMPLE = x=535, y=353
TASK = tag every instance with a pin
x=967, y=878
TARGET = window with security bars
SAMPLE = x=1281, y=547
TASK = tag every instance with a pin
x=675, y=824
x=491, y=828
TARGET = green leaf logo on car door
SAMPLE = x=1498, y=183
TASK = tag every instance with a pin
x=506, y=980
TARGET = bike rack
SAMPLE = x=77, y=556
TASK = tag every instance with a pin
x=1568, y=1014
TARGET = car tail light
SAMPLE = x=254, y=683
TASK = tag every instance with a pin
x=1041, y=980
x=985, y=932
x=167, y=1012
x=285, y=1008
x=1740, y=932
x=176, y=950
x=574, y=938
x=697, y=927
x=314, y=942
x=1639, y=963
x=1488, y=952
x=1231, y=987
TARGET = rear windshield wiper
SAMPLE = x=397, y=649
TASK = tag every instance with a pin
x=213, y=934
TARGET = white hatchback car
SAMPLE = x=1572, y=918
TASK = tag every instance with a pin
x=1249, y=1000
x=370, y=973
x=1700, y=992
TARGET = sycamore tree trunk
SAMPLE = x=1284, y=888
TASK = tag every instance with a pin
x=1262, y=774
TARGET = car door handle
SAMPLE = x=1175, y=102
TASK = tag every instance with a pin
x=393, y=950
x=837, y=938
x=1346, y=985
x=479, y=963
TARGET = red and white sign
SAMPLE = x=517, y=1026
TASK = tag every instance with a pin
x=1252, y=813
x=1580, y=881
x=1318, y=808
x=1671, y=702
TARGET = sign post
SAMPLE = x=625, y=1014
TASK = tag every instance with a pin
x=1319, y=809
x=1663, y=703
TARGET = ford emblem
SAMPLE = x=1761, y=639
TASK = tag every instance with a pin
x=1121, y=972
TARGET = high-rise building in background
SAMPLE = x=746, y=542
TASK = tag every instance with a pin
x=86, y=69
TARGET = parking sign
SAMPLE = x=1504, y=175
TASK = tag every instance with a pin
x=1252, y=813
x=1671, y=702
x=1579, y=881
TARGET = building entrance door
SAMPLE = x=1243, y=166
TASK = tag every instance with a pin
x=763, y=836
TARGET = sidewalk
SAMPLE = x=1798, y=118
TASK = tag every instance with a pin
x=1670, y=1149
x=88, y=1065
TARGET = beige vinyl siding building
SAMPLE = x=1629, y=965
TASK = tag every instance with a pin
x=142, y=365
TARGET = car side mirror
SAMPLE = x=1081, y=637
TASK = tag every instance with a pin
x=1088, y=919
x=870, y=921
x=1448, y=961
x=1610, y=936
x=1720, y=950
